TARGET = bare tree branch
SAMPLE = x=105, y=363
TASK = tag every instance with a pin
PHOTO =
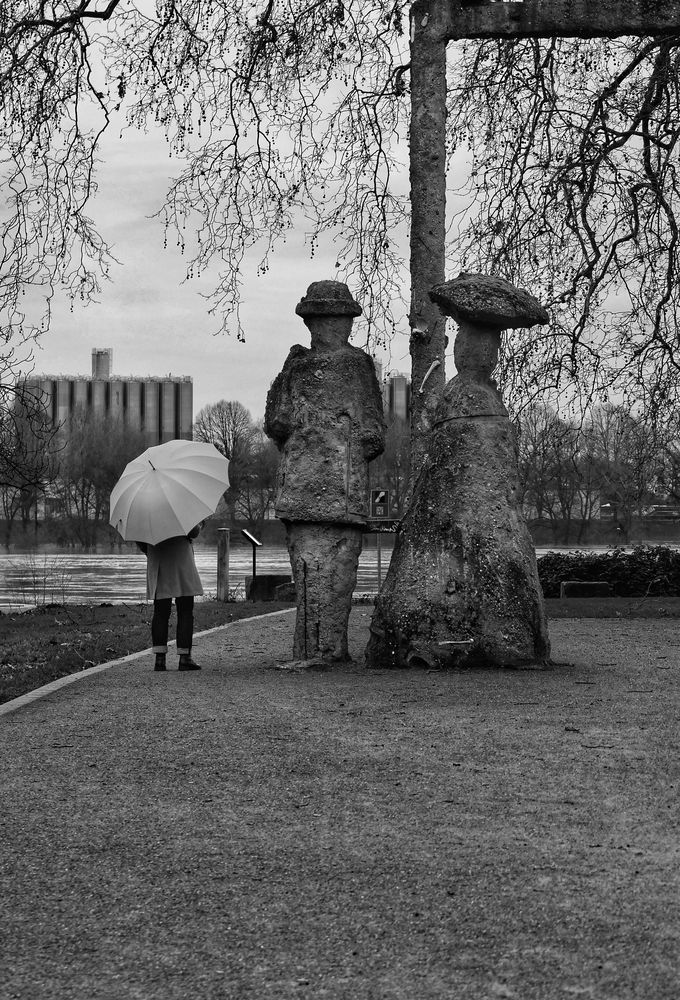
x=574, y=194
x=285, y=114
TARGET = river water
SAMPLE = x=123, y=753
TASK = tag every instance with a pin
x=29, y=579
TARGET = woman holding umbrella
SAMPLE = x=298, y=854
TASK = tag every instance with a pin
x=171, y=573
x=160, y=503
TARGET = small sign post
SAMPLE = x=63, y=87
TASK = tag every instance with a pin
x=380, y=507
x=256, y=545
x=380, y=503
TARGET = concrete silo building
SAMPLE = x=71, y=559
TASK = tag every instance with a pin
x=161, y=407
x=397, y=396
x=396, y=392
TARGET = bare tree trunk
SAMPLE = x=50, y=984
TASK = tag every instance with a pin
x=428, y=217
x=433, y=23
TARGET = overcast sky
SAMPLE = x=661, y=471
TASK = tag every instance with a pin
x=154, y=323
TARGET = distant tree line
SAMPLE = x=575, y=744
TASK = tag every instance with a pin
x=573, y=470
x=63, y=476
x=253, y=459
x=613, y=463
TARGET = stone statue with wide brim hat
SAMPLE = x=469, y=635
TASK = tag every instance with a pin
x=462, y=587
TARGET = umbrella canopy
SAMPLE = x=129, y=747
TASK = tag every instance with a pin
x=168, y=490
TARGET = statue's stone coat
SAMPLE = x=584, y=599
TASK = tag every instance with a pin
x=324, y=411
x=462, y=586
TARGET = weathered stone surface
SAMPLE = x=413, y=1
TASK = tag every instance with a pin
x=463, y=569
x=324, y=559
x=462, y=587
x=473, y=393
x=328, y=298
x=324, y=411
x=488, y=301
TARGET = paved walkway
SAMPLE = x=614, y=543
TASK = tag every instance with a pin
x=249, y=832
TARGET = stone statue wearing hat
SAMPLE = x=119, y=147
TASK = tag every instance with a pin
x=324, y=411
x=462, y=587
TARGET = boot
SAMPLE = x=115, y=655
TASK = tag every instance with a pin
x=160, y=661
x=186, y=663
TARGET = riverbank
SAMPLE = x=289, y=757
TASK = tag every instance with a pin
x=56, y=640
x=31, y=579
x=81, y=578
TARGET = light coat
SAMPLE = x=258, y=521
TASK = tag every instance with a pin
x=171, y=569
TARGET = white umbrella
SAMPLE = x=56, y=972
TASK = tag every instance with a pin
x=168, y=490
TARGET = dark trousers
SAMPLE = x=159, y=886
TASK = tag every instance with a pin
x=162, y=606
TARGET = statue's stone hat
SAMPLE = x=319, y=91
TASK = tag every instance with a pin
x=488, y=301
x=328, y=298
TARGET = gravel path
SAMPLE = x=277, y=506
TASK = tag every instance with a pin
x=251, y=832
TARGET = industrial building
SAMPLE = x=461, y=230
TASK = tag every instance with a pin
x=397, y=396
x=159, y=406
x=396, y=392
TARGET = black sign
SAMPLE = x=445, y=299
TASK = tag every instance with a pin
x=380, y=503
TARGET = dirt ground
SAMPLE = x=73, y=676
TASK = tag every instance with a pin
x=41, y=645
x=252, y=832
x=55, y=640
